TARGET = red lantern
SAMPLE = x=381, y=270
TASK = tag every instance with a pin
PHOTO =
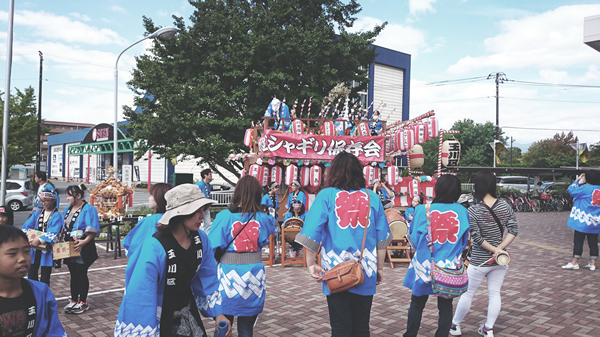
x=393, y=175
x=256, y=171
x=399, y=141
x=264, y=179
x=304, y=176
x=428, y=189
x=328, y=129
x=390, y=146
x=277, y=175
x=249, y=138
x=421, y=134
x=371, y=174
x=414, y=187
x=408, y=139
x=363, y=129
x=291, y=174
x=402, y=197
x=315, y=176
x=432, y=128
x=417, y=158
x=297, y=127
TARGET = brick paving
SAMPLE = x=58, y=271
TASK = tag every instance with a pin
x=539, y=298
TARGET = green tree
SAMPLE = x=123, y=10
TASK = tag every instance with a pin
x=219, y=74
x=517, y=153
x=551, y=152
x=22, y=126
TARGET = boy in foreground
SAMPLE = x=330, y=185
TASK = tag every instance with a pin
x=27, y=308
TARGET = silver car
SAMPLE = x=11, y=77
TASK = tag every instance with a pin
x=19, y=194
x=514, y=183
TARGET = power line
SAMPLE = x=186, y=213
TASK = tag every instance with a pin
x=546, y=129
x=555, y=84
x=547, y=100
x=453, y=100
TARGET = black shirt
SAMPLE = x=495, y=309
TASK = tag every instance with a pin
x=17, y=315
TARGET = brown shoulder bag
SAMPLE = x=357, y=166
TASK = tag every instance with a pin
x=349, y=273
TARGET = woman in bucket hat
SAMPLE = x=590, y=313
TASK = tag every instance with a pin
x=175, y=275
x=49, y=221
x=296, y=195
x=240, y=232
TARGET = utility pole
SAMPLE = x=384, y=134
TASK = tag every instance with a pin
x=39, y=121
x=511, y=141
x=499, y=78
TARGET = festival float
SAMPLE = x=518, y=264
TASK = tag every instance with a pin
x=288, y=146
x=111, y=198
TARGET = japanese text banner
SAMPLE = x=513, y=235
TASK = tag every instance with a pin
x=299, y=146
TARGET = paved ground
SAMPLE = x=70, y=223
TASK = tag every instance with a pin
x=539, y=298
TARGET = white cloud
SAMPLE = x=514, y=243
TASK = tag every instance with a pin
x=417, y=6
x=81, y=17
x=117, y=8
x=549, y=40
x=58, y=27
x=394, y=36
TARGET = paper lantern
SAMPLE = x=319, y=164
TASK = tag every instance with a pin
x=261, y=173
x=363, y=129
x=291, y=174
x=264, y=179
x=417, y=159
x=371, y=174
x=328, y=129
x=432, y=128
x=297, y=127
x=450, y=152
x=315, y=176
x=408, y=139
x=402, y=195
x=305, y=176
x=390, y=145
x=421, y=133
x=277, y=175
x=393, y=175
x=399, y=142
x=249, y=138
x=428, y=189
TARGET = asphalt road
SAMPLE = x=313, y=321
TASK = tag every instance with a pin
x=140, y=199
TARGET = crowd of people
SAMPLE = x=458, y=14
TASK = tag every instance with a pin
x=182, y=266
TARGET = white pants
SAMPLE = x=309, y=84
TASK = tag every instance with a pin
x=206, y=222
x=495, y=278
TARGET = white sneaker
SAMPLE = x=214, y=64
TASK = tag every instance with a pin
x=571, y=266
x=590, y=267
x=455, y=330
x=69, y=307
x=485, y=332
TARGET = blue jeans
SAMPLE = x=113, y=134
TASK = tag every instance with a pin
x=349, y=314
x=245, y=325
x=415, y=313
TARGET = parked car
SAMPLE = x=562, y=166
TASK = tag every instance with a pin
x=555, y=186
x=19, y=194
x=221, y=193
x=514, y=183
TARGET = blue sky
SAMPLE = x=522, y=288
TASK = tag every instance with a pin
x=535, y=41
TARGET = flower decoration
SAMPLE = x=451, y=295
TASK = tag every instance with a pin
x=271, y=161
x=300, y=163
x=327, y=164
x=259, y=161
x=381, y=165
x=287, y=162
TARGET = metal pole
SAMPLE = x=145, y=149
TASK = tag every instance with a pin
x=39, y=126
x=9, y=45
x=577, y=155
x=497, y=108
x=511, y=141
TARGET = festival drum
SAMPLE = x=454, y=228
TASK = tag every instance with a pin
x=292, y=223
x=397, y=223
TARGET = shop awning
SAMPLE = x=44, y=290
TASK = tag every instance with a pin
x=125, y=146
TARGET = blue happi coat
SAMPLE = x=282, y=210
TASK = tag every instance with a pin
x=289, y=215
x=133, y=241
x=242, y=286
x=55, y=225
x=87, y=221
x=47, y=323
x=301, y=197
x=141, y=307
x=585, y=214
x=336, y=219
x=283, y=112
x=450, y=235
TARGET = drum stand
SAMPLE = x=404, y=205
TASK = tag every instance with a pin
x=404, y=245
x=291, y=232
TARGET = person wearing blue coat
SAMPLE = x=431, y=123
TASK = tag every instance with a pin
x=81, y=225
x=450, y=235
x=174, y=276
x=585, y=217
x=240, y=232
x=297, y=211
x=146, y=227
x=295, y=195
x=49, y=221
x=271, y=199
x=279, y=110
x=30, y=302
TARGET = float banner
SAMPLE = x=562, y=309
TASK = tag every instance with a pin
x=297, y=146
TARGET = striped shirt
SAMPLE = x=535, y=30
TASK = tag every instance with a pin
x=485, y=227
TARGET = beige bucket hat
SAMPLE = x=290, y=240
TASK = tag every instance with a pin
x=184, y=199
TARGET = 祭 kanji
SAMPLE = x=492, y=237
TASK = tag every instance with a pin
x=247, y=241
x=351, y=209
x=596, y=198
x=444, y=226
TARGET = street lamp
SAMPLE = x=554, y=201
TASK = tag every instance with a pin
x=164, y=34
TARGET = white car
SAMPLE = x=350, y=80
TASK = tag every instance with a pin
x=514, y=183
x=19, y=194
